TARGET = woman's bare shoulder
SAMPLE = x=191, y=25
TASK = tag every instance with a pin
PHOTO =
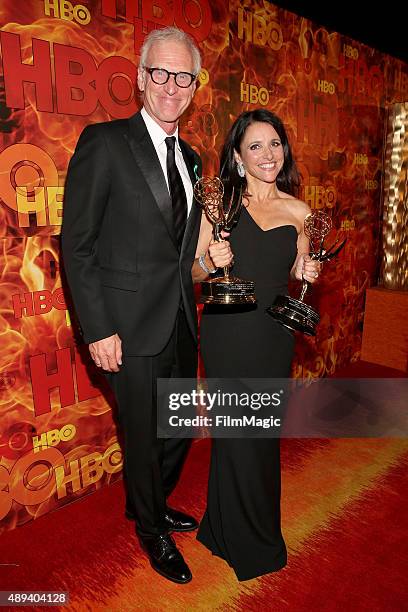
x=299, y=208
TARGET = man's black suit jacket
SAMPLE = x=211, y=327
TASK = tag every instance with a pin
x=120, y=254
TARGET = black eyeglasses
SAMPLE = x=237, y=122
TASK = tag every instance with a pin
x=160, y=76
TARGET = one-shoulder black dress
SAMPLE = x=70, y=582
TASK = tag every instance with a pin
x=242, y=521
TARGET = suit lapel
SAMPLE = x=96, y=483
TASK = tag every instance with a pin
x=195, y=207
x=146, y=158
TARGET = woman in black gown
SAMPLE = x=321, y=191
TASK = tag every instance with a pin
x=242, y=521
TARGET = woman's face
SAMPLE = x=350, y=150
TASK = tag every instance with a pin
x=261, y=152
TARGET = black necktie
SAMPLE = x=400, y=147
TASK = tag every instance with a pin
x=176, y=187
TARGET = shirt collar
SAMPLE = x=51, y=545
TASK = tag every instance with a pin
x=156, y=133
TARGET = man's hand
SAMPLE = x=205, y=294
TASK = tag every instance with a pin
x=107, y=353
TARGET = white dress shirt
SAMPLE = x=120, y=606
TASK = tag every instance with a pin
x=158, y=135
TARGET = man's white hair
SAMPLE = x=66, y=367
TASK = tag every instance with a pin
x=174, y=34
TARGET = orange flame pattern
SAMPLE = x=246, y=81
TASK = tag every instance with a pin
x=331, y=93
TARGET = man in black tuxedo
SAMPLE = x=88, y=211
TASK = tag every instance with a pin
x=129, y=237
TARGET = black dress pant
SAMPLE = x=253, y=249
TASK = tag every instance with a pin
x=152, y=466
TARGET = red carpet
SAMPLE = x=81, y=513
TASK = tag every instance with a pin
x=344, y=508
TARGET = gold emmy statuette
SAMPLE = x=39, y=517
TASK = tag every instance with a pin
x=296, y=314
x=226, y=289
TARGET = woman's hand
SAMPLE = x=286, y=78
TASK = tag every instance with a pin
x=220, y=252
x=210, y=254
x=307, y=268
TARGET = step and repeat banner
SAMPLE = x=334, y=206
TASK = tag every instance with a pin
x=65, y=65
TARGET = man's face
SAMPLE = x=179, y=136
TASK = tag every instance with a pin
x=166, y=103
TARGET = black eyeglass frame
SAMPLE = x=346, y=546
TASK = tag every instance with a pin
x=169, y=74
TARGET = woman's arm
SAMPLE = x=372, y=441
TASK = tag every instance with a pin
x=304, y=268
x=214, y=254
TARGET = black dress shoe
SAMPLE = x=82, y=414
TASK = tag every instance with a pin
x=166, y=559
x=179, y=521
x=174, y=519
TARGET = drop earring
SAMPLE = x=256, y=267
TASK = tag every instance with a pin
x=240, y=169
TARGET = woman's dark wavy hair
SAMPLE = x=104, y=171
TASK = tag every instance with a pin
x=288, y=178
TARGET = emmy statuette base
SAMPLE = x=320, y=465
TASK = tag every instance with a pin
x=227, y=291
x=294, y=315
